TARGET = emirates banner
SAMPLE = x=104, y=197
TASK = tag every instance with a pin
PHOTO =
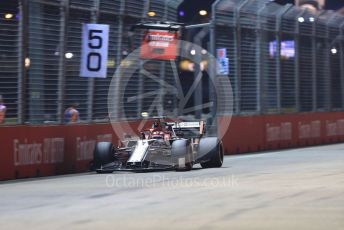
x=159, y=45
x=31, y=151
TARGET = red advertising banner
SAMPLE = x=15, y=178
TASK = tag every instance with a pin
x=31, y=151
x=159, y=45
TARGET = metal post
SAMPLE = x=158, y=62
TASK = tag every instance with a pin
x=278, y=31
x=173, y=66
x=341, y=62
x=329, y=74
x=147, y=5
x=64, y=9
x=140, y=80
x=198, y=41
x=297, y=63
x=91, y=81
x=22, y=73
x=160, y=105
x=212, y=50
x=117, y=110
x=36, y=52
x=120, y=32
x=314, y=73
x=238, y=55
x=212, y=66
x=278, y=62
x=315, y=61
x=166, y=9
x=198, y=100
x=140, y=91
x=162, y=66
x=213, y=37
x=259, y=76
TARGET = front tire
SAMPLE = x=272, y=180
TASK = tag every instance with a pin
x=103, y=154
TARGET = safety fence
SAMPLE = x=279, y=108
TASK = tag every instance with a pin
x=282, y=59
x=40, y=49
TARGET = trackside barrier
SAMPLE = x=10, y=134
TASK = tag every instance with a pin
x=268, y=132
x=31, y=151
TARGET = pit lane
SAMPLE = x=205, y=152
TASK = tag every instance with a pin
x=289, y=189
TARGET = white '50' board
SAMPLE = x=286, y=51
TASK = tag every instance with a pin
x=94, y=54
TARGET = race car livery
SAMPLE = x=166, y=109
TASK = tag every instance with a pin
x=165, y=146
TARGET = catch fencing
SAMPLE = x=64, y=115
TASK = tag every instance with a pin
x=282, y=59
x=40, y=44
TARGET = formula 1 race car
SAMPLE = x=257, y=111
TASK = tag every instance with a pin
x=165, y=146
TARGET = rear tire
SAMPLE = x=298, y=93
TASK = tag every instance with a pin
x=103, y=154
x=180, y=149
x=212, y=148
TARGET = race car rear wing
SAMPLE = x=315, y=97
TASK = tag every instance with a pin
x=190, y=129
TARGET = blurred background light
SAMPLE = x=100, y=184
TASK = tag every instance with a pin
x=203, y=12
x=144, y=114
x=8, y=16
x=69, y=55
x=334, y=50
x=27, y=62
x=151, y=14
x=301, y=19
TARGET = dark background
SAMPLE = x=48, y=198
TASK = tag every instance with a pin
x=192, y=7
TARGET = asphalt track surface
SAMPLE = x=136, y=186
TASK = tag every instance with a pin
x=290, y=189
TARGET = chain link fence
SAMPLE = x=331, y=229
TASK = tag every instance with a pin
x=40, y=55
x=282, y=59
x=9, y=54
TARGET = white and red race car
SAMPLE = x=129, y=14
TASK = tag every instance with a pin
x=165, y=146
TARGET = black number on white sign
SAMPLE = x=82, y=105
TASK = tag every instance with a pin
x=94, y=59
